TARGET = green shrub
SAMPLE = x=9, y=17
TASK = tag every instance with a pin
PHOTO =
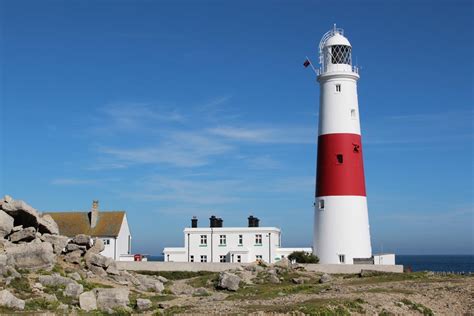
x=303, y=257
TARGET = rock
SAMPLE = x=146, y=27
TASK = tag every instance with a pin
x=73, y=290
x=6, y=224
x=98, y=260
x=109, y=299
x=27, y=234
x=99, y=271
x=31, y=256
x=179, y=288
x=74, y=257
x=63, y=307
x=58, y=242
x=75, y=276
x=228, y=281
x=82, y=239
x=7, y=299
x=325, y=278
x=38, y=286
x=17, y=228
x=50, y=298
x=97, y=247
x=143, y=304
x=162, y=279
x=273, y=279
x=201, y=292
x=299, y=280
x=150, y=284
x=88, y=301
x=72, y=247
x=283, y=263
x=55, y=279
x=7, y=199
x=22, y=213
x=47, y=225
x=112, y=269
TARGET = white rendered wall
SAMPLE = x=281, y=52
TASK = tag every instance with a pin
x=122, y=239
x=248, y=250
x=108, y=249
x=385, y=259
x=344, y=227
x=335, y=107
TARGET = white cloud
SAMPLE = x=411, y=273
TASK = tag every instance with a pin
x=285, y=135
x=76, y=181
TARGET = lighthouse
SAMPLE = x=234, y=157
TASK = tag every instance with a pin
x=341, y=223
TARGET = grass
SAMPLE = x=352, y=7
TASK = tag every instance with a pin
x=176, y=275
x=417, y=307
x=40, y=304
x=389, y=277
x=58, y=291
x=207, y=281
x=161, y=298
x=20, y=284
x=88, y=286
x=269, y=291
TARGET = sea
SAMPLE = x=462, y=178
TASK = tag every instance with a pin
x=438, y=263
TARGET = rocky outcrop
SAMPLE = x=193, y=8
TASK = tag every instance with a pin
x=21, y=213
x=325, y=278
x=33, y=256
x=88, y=301
x=73, y=290
x=55, y=279
x=229, y=281
x=6, y=224
x=58, y=242
x=7, y=299
x=47, y=225
x=143, y=304
x=27, y=234
x=82, y=240
x=110, y=299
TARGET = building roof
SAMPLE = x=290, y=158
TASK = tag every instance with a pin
x=73, y=223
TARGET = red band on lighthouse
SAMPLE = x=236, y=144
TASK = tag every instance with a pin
x=340, y=166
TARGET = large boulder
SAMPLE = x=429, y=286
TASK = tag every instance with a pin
x=27, y=234
x=6, y=224
x=143, y=304
x=72, y=247
x=228, y=281
x=112, y=269
x=98, y=260
x=150, y=284
x=32, y=256
x=97, y=247
x=47, y=225
x=55, y=279
x=88, y=301
x=74, y=257
x=99, y=271
x=110, y=299
x=82, y=240
x=7, y=299
x=73, y=290
x=59, y=242
x=22, y=213
x=325, y=278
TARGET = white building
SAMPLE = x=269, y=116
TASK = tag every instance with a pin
x=110, y=226
x=230, y=244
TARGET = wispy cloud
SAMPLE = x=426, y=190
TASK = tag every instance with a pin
x=77, y=181
x=287, y=135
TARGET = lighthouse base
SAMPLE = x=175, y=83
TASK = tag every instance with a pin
x=341, y=231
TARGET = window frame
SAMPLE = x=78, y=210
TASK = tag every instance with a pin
x=258, y=239
x=203, y=258
x=203, y=240
x=222, y=240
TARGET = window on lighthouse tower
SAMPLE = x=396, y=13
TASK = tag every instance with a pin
x=340, y=158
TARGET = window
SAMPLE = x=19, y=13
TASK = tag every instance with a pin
x=222, y=258
x=341, y=54
x=338, y=87
x=203, y=239
x=191, y=258
x=239, y=258
x=222, y=240
x=321, y=205
x=356, y=148
x=258, y=257
x=340, y=158
x=342, y=258
x=241, y=239
x=106, y=241
x=353, y=113
x=203, y=258
x=258, y=239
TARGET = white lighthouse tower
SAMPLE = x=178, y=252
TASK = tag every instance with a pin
x=341, y=227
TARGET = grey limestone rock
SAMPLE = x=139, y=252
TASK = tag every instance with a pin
x=109, y=299
x=112, y=269
x=55, y=279
x=228, y=281
x=143, y=304
x=7, y=299
x=99, y=271
x=22, y=213
x=73, y=290
x=47, y=225
x=98, y=260
x=75, y=276
x=88, y=301
x=32, y=256
x=6, y=224
x=325, y=278
x=27, y=234
x=74, y=257
x=82, y=239
x=72, y=247
x=59, y=242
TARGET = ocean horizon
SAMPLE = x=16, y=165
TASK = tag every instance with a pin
x=435, y=263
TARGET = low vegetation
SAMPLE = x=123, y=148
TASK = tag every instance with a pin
x=177, y=275
x=303, y=257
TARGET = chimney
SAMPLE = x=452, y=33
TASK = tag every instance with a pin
x=194, y=222
x=213, y=221
x=220, y=221
x=253, y=221
x=94, y=214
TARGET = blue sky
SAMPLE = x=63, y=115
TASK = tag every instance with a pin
x=174, y=109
